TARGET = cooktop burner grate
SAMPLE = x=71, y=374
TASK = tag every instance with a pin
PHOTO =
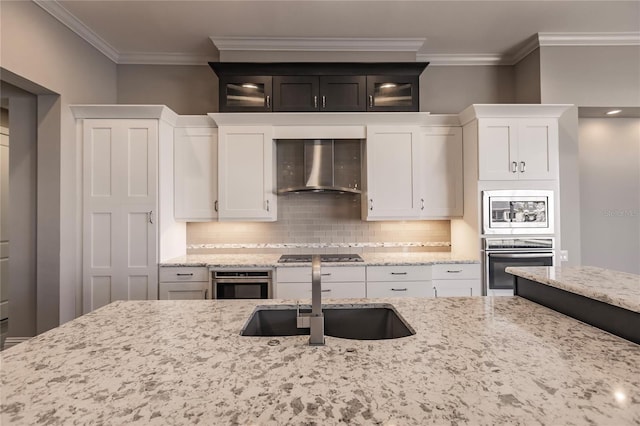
x=302, y=258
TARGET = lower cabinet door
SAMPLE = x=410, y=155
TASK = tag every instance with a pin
x=399, y=289
x=183, y=291
x=351, y=290
x=457, y=288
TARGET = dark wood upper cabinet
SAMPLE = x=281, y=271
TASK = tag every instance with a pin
x=319, y=86
x=295, y=93
x=245, y=94
x=343, y=93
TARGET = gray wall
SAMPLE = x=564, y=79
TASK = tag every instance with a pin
x=527, y=79
x=610, y=192
x=188, y=90
x=22, y=211
x=591, y=75
x=41, y=54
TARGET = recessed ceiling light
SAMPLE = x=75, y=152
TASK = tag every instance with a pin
x=614, y=111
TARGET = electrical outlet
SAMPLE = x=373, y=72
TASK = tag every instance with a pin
x=564, y=255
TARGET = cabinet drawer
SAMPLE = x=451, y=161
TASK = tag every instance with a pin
x=183, y=273
x=403, y=289
x=302, y=290
x=183, y=291
x=329, y=274
x=457, y=288
x=456, y=271
x=399, y=273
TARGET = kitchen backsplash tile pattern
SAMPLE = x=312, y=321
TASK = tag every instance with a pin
x=318, y=222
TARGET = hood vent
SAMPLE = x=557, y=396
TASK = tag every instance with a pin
x=319, y=165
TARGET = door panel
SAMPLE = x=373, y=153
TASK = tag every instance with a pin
x=120, y=181
x=296, y=93
x=343, y=93
x=537, y=145
x=497, y=149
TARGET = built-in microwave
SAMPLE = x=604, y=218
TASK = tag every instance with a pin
x=517, y=212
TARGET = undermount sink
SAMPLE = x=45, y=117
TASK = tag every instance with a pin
x=361, y=322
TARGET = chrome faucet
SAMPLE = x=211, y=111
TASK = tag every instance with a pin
x=315, y=320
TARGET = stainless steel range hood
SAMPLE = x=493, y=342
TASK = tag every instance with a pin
x=319, y=165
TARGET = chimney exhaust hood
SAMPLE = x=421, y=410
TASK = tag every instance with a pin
x=319, y=165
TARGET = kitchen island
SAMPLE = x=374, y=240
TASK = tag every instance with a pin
x=604, y=298
x=475, y=360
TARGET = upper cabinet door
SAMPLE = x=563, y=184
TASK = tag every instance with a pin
x=441, y=172
x=392, y=174
x=392, y=93
x=517, y=149
x=296, y=93
x=497, y=149
x=343, y=93
x=246, y=172
x=196, y=174
x=245, y=94
x=538, y=149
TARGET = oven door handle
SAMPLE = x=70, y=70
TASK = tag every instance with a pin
x=512, y=256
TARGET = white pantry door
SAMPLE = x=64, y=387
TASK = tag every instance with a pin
x=120, y=158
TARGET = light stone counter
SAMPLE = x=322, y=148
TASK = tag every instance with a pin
x=613, y=287
x=479, y=361
x=271, y=260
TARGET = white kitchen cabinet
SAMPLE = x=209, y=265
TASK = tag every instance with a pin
x=246, y=174
x=399, y=281
x=184, y=283
x=120, y=175
x=128, y=223
x=456, y=280
x=338, y=282
x=441, y=174
x=392, y=176
x=517, y=148
x=196, y=174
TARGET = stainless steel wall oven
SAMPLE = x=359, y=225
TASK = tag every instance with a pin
x=500, y=253
x=245, y=284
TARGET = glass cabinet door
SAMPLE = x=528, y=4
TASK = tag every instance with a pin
x=245, y=94
x=392, y=93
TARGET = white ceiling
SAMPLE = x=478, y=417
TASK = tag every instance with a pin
x=126, y=30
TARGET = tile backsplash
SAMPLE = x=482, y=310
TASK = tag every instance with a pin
x=314, y=223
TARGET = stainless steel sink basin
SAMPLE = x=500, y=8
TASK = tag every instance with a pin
x=361, y=322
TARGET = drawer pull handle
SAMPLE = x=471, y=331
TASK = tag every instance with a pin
x=398, y=273
x=326, y=291
x=326, y=275
x=435, y=292
x=190, y=274
x=454, y=272
x=398, y=289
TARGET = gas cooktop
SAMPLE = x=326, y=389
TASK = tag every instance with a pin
x=302, y=258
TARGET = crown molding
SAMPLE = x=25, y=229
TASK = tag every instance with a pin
x=461, y=59
x=56, y=10
x=163, y=58
x=325, y=44
x=589, y=39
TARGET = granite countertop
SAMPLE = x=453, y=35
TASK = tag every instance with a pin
x=613, y=287
x=271, y=260
x=479, y=360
